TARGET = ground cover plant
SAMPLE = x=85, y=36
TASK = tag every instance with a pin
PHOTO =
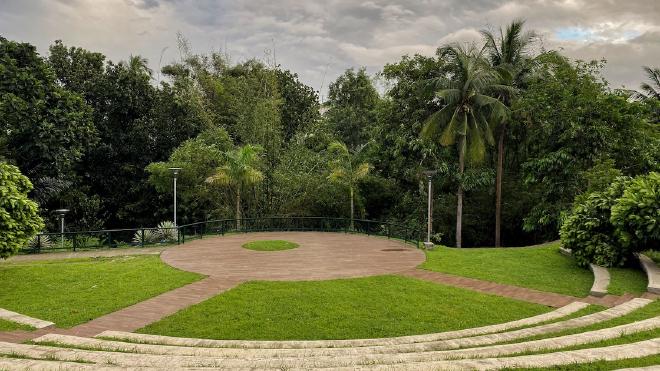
x=537, y=267
x=74, y=291
x=627, y=280
x=270, y=245
x=340, y=309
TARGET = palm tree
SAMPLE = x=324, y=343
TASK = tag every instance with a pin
x=508, y=54
x=650, y=90
x=239, y=171
x=468, y=113
x=346, y=169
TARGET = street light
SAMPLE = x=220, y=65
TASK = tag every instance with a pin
x=60, y=215
x=429, y=216
x=175, y=172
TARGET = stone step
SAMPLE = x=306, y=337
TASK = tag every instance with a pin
x=23, y=319
x=480, y=340
x=553, y=315
x=611, y=353
x=300, y=359
x=12, y=364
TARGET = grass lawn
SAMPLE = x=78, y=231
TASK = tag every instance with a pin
x=270, y=245
x=536, y=267
x=627, y=280
x=8, y=326
x=74, y=291
x=340, y=309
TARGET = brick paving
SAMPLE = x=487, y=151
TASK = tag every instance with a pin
x=321, y=255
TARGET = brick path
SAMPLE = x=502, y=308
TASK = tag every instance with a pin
x=515, y=292
x=321, y=255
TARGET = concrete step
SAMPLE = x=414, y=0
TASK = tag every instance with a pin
x=297, y=358
x=480, y=340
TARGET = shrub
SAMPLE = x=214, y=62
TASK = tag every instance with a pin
x=151, y=236
x=636, y=215
x=19, y=216
x=588, y=231
x=167, y=231
x=35, y=243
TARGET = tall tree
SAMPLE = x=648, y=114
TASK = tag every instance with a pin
x=346, y=169
x=240, y=170
x=468, y=113
x=509, y=54
x=352, y=100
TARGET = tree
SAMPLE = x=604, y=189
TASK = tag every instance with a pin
x=19, y=216
x=300, y=105
x=651, y=89
x=468, y=113
x=509, y=54
x=239, y=171
x=346, y=169
x=45, y=128
x=352, y=100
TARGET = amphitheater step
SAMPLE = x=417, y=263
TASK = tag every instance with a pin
x=12, y=364
x=480, y=340
x=23, y=319
x=556, y=314
x=292, y=358
x=611, y=353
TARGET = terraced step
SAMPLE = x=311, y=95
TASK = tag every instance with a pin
x=23, y=319
x=611, y=353
x=556, y=314
x=300, y=359
x=41, y=365
x=480, y=340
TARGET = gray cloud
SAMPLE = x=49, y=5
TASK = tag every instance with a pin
x=312, y=37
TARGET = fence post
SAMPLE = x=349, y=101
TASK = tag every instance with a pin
x=388, y=230
x=178, y=236
x=201, y=231
x=38, y=243
x=142, y=238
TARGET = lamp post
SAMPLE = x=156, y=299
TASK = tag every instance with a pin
x=429, y=215
x=175, y=172
x=60, y=215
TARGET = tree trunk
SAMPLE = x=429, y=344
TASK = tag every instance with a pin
x=459, y=194
x=238, y=208
x=352, y=210
x=498, y=187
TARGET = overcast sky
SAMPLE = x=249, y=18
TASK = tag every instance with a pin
x=320, y=39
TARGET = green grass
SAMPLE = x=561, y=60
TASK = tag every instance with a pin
x=73, y=291
x=9, y=326
x=654, y=255
x=370, y=307
x=270, y=245
x=627, y=280
x=600, y=365
x=536, y=267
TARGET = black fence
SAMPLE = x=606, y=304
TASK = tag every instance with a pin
x=141, y=237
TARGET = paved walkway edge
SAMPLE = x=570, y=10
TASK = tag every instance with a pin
x=22, y=319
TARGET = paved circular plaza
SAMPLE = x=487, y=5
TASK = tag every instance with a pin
x=321, y=255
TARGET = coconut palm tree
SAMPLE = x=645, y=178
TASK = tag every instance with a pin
x=650, y=90
x=468, y=113
x=239, y=171
x=508, y=53
x=346, y=169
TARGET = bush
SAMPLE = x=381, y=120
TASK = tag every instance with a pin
x=167, y=231
x=19, y=216
x=588, y=231
x=151, y=236
x=636, y=215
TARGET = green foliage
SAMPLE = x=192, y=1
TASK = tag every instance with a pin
x=300, y=107
x=45, y=128
x=19, y=216
x=347, y=170
x=352, y=100
x=636, y=215
x=589, y=233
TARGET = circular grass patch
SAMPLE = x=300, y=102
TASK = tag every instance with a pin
x=270, y=245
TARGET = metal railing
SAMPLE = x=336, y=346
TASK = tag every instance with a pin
x=141, y=237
